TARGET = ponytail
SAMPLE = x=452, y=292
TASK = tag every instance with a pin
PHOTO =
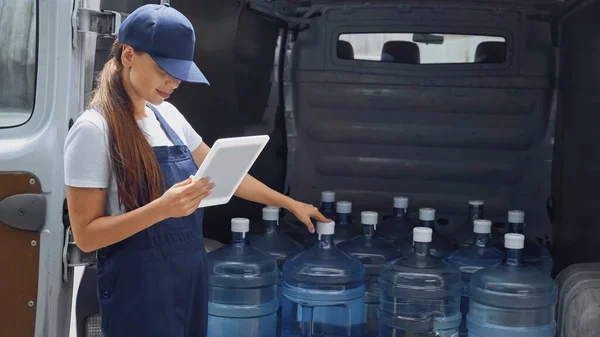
x=136, y=171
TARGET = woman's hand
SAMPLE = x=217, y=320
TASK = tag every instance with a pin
x=183, y=198
x=304, y=212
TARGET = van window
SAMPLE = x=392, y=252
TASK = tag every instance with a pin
x=18, y=38
x=421, y=48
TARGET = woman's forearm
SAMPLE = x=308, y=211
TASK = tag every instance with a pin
x=253, y=190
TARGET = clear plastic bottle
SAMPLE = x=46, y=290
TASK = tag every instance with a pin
x=480, y=254
x=440, y=247
x=399, y=225
x=373, y=252
x=281, y=247
x=420, y=293
x=512, y=298
x=344, y=229
x=327, y=207
x=533, y=254
x=463, y=235
x=242, y=288
x=323, y=291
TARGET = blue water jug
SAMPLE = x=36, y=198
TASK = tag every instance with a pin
x=323, y=291
x=373, y=252
x=344, y=229
x=242, y=288
x=462, y=234
x=440, y=247
x=281, y=247
x=533, y=254
x=399, y=224
x=481, y=253
x=327, y=207
x=420, y=293
x=512, y=299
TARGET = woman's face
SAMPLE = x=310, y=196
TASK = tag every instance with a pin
x=146, y=79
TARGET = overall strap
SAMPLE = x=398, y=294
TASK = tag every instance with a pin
x=165, y=126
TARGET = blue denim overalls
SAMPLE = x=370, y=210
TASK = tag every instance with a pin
x=154, y=283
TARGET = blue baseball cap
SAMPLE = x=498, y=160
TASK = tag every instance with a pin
x=167, y=36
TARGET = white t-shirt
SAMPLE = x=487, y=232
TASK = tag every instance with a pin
x=87, y=158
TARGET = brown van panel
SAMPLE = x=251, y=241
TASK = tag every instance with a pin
x=19, y=263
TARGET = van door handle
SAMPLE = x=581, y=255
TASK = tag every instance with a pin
x=25, y=211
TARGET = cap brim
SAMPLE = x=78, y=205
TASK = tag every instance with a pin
x=183, y=70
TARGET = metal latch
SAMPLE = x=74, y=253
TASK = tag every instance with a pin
x=73, y=256
x=99, y=21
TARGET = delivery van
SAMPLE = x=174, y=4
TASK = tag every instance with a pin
x=439, y=101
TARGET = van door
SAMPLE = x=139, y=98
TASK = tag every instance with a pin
x=41, y=90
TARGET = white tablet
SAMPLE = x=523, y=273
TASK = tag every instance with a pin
x=227, y=163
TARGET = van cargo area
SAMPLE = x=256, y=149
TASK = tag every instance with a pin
x=515, y=131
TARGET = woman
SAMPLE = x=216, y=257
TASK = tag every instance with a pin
x=128, y=166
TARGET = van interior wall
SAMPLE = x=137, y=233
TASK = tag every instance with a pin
x=236, y=51
x=439, y=134
x=577, y=172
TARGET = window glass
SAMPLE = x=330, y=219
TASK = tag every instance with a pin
x=421, y=48
x=18, y=38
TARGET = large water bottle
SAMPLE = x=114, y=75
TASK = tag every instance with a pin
x=242, y=288
x=373, y=252
x=281, y=247
x=533, y=254
x=399, y=225
x=344, y=229
x=481, y=253
x=463, y=235
x=323, y=291
x=512, y=299
x=327, y=207
x=420, y=293
x=440, y=247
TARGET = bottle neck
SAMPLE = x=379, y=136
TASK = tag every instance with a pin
x=428, y=224
x=481, y=239
x=475, y=213
x=238, y=239
x=400, y=212
x=270, y=226
x=422, y=248
x=343, y=218
x=326, y=240
x=368, y=230
x=513, y=257
x=327, y=207
x=514, y=227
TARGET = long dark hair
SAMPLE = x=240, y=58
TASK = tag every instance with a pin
x=136, y=171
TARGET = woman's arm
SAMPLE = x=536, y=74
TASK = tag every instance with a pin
x=253, y=190
x=93, y=230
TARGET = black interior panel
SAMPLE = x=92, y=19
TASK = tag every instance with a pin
x=439, y=134
x=577, y=170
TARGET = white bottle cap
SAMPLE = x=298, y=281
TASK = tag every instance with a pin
x=427, y=214
x=514, y=241
x=369, y=218
x=270, y=213
x=327, y=196
x=482, y=226
x=476, y=203
x=240, y=225
x=422, y=234
x=400, y=202
x=343, y=207
x=325, y=228
x=516, y=216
